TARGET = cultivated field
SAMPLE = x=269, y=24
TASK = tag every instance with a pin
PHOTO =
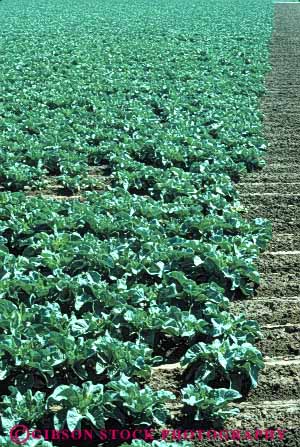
x=140, y=284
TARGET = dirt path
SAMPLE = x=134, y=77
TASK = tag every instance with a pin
x=274, y=193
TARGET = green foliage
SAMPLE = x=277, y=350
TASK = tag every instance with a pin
x=210, y=403
x=150, y=116
x=22, y=407
x=223, y=358
x=76, y=404
x=143, y=405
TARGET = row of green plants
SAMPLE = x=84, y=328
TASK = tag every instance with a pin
x=161, y=98
x=87, y=305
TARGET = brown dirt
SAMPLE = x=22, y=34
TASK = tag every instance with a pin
x=273, y=263
x=277, y=381
x=285, y=188
x=279, y=285
x=270, y=310
x=285, y=241
x=270, y=199
x=262, y=176
x=280, y=341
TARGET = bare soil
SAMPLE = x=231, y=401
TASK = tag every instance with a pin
x=285, y=241
x=270, y=310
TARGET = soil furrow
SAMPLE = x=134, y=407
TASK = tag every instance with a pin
x=267, y=414
x=281, y=226
x=268, y=311
x=262, y=176
x=280, y=341
x=277, y=381
x=279, y=285
x=270, y=262
x=281, y=168
x=269, y=187
x=275, y=212
x=288, y=198
x=285, y=241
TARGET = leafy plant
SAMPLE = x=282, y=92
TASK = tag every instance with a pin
x=224, y=358
x=144, y=406
x=210, y=403
x=27, y=407
x=71, y=405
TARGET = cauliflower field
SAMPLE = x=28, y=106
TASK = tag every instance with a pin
x=124, y=127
